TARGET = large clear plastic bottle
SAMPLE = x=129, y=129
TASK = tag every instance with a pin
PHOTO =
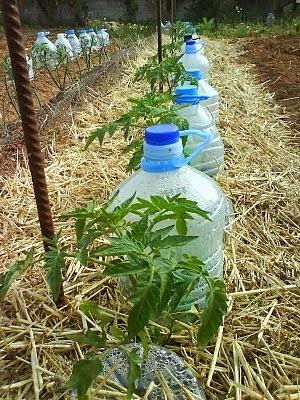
x=63, y=46
x=200, y=44
x=85, y=41
x=211, y=159
x=165, y=172
x=270, y=20
x=44, y=52
x=74, y=42
x=94, y=39
x=103, y=37
x=193, y=59
x=205, y=89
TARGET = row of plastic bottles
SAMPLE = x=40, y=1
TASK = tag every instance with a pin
x=67, y=45
x=168, y=169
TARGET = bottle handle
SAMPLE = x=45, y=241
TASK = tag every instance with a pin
x=203, y=135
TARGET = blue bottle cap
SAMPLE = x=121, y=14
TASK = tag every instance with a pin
x=196, y=73
x=41, y=34
x=186, y=90
x=90, y=30
x=70, y=31
x=162, y=134
x=190, y=42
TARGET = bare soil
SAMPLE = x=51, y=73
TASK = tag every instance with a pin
x=277, y=62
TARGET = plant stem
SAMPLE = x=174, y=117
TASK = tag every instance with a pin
x=11, y=98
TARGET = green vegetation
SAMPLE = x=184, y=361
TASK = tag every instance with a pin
x=212, y=29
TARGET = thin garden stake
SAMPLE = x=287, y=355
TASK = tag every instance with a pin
x=159, y=34
x=15, y=42
x=172, y=12
x=159, y=37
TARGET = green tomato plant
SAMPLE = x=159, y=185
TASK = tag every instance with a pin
x=148, y=110
x=143, y=250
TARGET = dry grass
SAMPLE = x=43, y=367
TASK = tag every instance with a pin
x=257, y=354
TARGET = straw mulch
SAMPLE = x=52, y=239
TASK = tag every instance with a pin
x=257, y=353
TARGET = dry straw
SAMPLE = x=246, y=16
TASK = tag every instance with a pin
x=256, y=355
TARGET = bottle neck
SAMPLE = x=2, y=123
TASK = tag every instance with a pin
x=162, y=158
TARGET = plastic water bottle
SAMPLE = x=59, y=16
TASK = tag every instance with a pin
x=200, y=44
x=270, y=19
x=211, y=159
x=103, y=37
x=205, y=89
x=166, y=28
x=74, y=42
x=85, y=41
x=30, y=68
x=185, y=39
x=193, y=59
x=44, y=52
x=94, y=39
x=165, y=172
x=62, y=44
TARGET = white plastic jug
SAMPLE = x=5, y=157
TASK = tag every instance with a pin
x=211, y=159
x=74, y=42
x=270, y=20
x=193, y=59
x=205, y=89
x=166, y=28
x=44, y=52
x=103, y=37
x=64, y=44
x=94, y=39
x=164, y=172
x=85, y=41
x=30, y=68
x=200, y=44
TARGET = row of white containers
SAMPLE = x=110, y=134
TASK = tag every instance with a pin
x=73, y=46
x=168, y=169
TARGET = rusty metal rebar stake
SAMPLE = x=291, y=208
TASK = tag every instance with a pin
x=17, y=54
x=13, y=31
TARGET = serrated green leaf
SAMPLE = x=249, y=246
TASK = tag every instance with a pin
x=90, y=338
x=175, y=240
x=146, y=297
x=91, y=309
x=135, y=160
x=124, y=268
x=79, y=227
x=83, y=375
x=82, y=256
x=119, y=246
x=181, y=290
x=146, y=342
x=167, y=291
x=192, y=263
x=14, y=272
x=54, y=265
x=134, y=372
x=214, y=310
x=116, y=332
x=154, y=238
x=181, y=226
x=98, y=133
x=140, y=227
x=112, y=127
